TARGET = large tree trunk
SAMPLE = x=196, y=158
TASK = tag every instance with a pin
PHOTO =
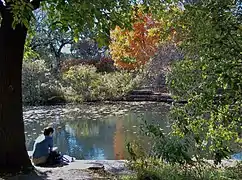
x=13, y=154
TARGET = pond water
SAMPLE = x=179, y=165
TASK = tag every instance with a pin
x=95, y=130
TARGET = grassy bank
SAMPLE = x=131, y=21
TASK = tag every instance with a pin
x=151, y=169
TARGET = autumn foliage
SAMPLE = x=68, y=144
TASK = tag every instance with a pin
x=104, y=64
x=131, y=49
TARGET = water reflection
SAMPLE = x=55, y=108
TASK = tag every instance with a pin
x=94, y=131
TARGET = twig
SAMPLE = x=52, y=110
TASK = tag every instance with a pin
x=36, y=3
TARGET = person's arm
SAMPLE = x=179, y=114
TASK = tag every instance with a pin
x=51, y=143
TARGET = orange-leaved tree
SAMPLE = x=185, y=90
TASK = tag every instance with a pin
x=131, y=49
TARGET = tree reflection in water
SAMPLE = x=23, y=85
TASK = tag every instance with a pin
x=118, y=140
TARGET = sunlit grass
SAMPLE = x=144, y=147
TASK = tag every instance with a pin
x=157, y=170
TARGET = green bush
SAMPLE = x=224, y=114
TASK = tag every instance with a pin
x=39, y=86
x=84, y=83
x=79, y=83
x=209, y=78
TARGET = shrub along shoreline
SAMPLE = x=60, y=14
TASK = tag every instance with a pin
x=80, y=83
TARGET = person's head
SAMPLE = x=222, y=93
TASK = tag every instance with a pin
x=48, y=131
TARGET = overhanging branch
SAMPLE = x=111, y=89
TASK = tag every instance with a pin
x=2, y=7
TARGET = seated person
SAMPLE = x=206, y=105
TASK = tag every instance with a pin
x=43, y=146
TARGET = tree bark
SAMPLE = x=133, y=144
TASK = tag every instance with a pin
x=13, y=153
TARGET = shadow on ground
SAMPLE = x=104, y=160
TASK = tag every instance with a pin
x=34, y=175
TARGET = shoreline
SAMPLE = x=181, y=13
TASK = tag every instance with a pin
x=162, y=97
x=89, y=169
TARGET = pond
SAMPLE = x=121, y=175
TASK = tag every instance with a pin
x=95, y=130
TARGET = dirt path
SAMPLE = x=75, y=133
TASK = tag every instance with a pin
x=79, y=170
x=59, y=174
